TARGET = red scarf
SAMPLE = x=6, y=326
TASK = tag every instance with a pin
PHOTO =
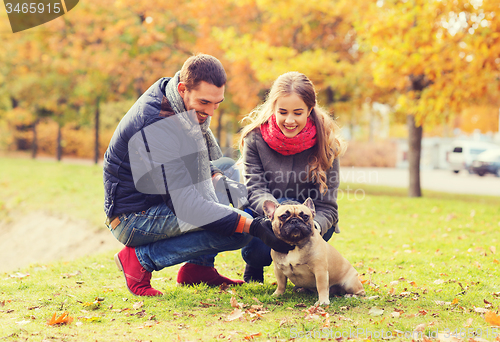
x=276, y=140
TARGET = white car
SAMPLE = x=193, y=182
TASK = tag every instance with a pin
x=464, y=152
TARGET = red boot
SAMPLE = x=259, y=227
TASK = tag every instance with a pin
x=137, y=278
x=190, y=274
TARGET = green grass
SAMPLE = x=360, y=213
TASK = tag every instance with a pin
x=53, y=187
x=432, y=259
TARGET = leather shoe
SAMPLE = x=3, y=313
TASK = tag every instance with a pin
x=253, y=274
x=137, y=278
x=191, y=274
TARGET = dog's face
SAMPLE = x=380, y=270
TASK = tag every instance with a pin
x=292, y=222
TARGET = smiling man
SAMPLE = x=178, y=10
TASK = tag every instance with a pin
x=163, y=185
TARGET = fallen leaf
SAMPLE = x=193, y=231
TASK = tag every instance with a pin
x=91, y=319
x=481, y=310
x=138, y=305
x=206, y=305
x=493, y=249
x=439, y=281
x=92, y=305
x=236, y=314
x=420, y=327
x=455, y=301
x=63, y=319
x=19, y=275
x=413, y=284
x=223, y=287
x=492, y=318
x=251, y=336
x=234, y=303
x=395, y=314
x=376, y=311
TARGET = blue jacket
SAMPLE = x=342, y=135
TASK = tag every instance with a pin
x=120, y=191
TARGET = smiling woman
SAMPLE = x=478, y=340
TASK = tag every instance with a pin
x=290, y=134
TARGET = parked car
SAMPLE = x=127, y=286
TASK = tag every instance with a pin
x=487, y=162
x=464, y=152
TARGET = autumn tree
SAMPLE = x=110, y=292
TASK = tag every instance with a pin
x=438, y=56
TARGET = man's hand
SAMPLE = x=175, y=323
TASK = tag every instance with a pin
x=229, y=191
x=262, y=228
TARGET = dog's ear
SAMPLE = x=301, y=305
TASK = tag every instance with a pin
x=269, y=208
x=310, y=204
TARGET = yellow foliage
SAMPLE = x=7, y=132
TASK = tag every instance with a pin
x=483, y=118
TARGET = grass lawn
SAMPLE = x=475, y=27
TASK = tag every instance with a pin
x=428, y=265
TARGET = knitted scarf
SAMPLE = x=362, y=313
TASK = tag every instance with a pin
x=276, y=140
x=208, y=149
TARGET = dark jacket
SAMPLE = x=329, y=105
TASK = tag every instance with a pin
x=270, y=175
x=120, y=191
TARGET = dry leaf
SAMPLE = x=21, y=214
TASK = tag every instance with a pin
x=234, y=302
x=455, y=301
x=19, y=275
x=481, y=310
x=206, y=305
x=236, y=314
x=395, y=314
x=63, y=319
x=138, y=305
x=251, y=336
x=420, y=327
x=493, y=249
x=376, y=311
x=492, y=318
x=439, y=281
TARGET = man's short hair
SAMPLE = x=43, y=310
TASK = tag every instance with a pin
x=202, y=67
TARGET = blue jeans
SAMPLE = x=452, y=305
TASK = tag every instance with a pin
x=257, y=254
x=159, y=242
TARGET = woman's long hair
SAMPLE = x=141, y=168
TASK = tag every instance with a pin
x=329, y=144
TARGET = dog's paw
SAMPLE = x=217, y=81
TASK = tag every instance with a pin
x=324, y=302
x=277, y=293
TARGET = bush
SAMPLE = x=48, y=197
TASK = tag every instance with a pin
x=370, y=154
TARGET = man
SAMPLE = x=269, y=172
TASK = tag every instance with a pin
x=164, y=185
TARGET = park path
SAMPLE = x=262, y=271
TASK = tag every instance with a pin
x=437, y=180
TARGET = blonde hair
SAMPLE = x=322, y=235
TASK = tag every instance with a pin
x=329, y=145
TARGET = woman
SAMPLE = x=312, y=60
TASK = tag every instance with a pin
x=290, y=150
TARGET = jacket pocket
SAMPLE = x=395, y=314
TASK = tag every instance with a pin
x=109, y=197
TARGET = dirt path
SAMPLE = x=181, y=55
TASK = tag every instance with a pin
x=41, y=238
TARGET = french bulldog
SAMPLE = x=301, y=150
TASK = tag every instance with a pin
x=314, y=264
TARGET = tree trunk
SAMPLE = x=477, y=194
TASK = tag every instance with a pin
x=34, y=144
x=59, y=141
x=414, y=150
x=96, y=142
